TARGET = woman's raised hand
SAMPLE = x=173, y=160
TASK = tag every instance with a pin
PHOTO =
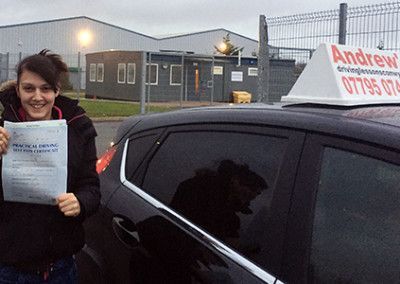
x=4, y=138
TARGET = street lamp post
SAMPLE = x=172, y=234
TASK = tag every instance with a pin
x=84, y=39
x=79, y=75
x=20, y=50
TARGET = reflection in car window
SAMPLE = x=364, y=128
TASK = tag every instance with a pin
x=213, y=198
x=356, y=234
x=221, y=181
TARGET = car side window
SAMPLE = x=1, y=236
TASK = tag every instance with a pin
x=139, y=146
x=222, y=181
x=357, y=220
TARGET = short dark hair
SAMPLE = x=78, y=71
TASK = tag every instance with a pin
x=47, y=65
x=228, y=169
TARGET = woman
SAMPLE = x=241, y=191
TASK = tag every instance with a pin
x=37, y=242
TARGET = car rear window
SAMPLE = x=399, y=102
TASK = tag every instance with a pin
x=356, y=234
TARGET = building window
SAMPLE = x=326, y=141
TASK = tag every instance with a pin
x=237, y=76
x=121, y=73
x=252, y=71
x=153, y=74
x=131, y=73
x=175, y=75
x=92, y=76
x=218, y=70
x=100, y=72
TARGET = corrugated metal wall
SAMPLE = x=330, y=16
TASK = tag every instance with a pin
x=203, y=42
x=61, y=36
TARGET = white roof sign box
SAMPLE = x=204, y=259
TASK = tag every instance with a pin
x=348, y=76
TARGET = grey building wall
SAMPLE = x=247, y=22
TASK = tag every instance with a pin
x=163, y=90
x=222, y=83
x=219, y=86
x=110, y=88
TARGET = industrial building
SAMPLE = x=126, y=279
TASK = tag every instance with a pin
x=63, y=36
x=80, y=35
x=76, y=37
x=128, y=75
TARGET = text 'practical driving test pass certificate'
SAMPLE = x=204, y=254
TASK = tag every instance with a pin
x=35, y=166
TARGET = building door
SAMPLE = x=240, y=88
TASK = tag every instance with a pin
x=219, y=70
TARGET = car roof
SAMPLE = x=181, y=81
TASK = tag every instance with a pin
x=388, y=114
x=375, y=124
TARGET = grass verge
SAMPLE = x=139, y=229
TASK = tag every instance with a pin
x=107, y=108
x=99, y=108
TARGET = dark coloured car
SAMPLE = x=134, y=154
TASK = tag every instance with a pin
x=250, y=194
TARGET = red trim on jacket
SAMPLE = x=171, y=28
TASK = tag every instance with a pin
x=59, y=112
x=76, y=117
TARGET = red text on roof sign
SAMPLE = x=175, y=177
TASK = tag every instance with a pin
x=364, y=59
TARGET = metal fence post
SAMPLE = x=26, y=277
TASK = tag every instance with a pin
x=1, y=67
x=143, y=84
x=79, y=75
x=342, y=23
x=181, y=89
x=149, y=84
x=7, y=66
x=263, y=62
x=212, y=79
x=186, y=83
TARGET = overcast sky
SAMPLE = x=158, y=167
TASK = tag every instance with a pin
x=168, y=17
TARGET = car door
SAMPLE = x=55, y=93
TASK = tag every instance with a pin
x=344, y=225
x=208, y=204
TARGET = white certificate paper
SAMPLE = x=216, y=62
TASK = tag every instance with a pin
x=35, y=166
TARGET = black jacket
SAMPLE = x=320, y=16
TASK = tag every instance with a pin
x=37, y=234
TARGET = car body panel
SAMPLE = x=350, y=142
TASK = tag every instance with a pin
x=145, y=240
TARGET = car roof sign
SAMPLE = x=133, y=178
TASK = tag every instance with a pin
x=348, y=76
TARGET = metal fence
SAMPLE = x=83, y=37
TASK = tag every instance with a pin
x=373, y=26
x=301, y=55
x=75, y=62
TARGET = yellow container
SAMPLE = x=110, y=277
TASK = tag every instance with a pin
x=240, y=97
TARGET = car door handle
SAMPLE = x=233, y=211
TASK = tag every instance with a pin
x=125, y=230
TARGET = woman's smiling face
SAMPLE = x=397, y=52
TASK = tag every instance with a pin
x=36, y=95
